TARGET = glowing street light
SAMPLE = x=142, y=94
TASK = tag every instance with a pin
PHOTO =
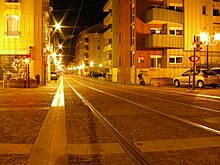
x=206, y=39
x=91, y=64
x=57, y=26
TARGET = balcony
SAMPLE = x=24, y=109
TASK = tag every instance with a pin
x=108, y=33
x=216, y=19
x=108, y=19
x=107, y=63
x=13, y=4
x=162, y=16
x=108, y=6
x=107, y=48
x=164, y=41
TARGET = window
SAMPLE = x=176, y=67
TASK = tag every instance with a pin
x=171, y=7
x=119, y=61
x=176, y=7
x=12, y=25
x=176, y=31
x=119, y=19
x=180, y=9
x=119, y=37
x=155, y=6
x=172, y=32
x=156, y=61
x=132, y=35
x=155, y=31
x=86, y=47
x=86, y=55
x=132, y=12
x=132, y=59
x=216, y=12
x=204, y=10
x=86, y=40
x=179, y=32
x=12, y=0
x=176, y=60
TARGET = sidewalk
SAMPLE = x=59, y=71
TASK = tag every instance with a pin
x=23, y=112
x=206, y=91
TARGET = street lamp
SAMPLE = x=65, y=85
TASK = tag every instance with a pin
x=206, y=39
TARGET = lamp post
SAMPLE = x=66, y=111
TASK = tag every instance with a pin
x=207, y=40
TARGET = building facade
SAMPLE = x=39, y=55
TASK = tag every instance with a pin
x=23, y=35
x=111, y=39
x=156, y=37
x=89, y=50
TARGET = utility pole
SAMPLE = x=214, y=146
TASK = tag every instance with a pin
x=194, y=64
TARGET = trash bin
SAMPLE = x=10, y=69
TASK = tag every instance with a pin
x=37, y=77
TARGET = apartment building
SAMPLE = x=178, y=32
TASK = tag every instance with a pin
x=24, y=34
x=89, y=50
x=111, y=39
x=156, y=37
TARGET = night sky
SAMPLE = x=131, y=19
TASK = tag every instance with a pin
x=90, y=13
x=69, y=10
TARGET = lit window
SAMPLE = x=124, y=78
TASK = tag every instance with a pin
x=13, y=25
x=176, y=31
x=179, y=32
x=156, y=61
x=155, y=31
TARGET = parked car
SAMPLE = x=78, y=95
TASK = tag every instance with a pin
x=203, y=77
x=54, y=76
x=217, y=71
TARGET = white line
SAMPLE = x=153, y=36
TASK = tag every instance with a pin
x=58, y=100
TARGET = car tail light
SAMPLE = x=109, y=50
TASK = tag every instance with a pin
x=205, y=76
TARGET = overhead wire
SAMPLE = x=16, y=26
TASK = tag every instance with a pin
x=75, y=24
x=85, y=7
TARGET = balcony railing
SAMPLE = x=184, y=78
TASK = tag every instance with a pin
x=108, y=19
x=108, y=6
x=108, y=33
x=161, y=16
x=164, y=41
x=107, y=48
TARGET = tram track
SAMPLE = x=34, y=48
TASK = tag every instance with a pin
x=117, y=94
x=126, y=144
x=215, y=131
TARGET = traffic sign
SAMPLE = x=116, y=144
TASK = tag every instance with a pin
x=191, y=58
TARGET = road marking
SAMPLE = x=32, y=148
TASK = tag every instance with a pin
x=145, y=146
x=58, y=100
x=115, y=148
x=50, y=147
